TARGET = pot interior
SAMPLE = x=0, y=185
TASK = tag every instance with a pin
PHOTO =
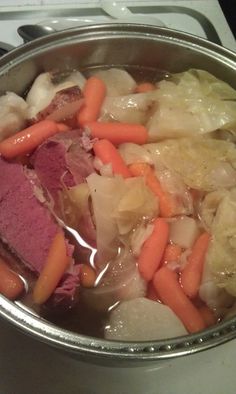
x=141, y=50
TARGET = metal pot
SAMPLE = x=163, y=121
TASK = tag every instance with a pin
x=125, y=45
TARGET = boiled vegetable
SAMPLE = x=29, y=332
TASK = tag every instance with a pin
x=153, y=249
x=143, y=320
x=55, y=266
x=171, y=294
x=28, y=139
x=108, y=154
x=118, y=133
x=193, y=102
x=94, y=93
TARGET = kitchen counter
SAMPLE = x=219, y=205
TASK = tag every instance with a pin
x=30, y=367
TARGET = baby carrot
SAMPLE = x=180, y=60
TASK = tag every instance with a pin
x=167, y=285
x=94, y=94
x=11, y=285
x=140, y=169
x=118, y=133
x=62, y=127
x=166, y=201
x=28, y=139
x=88, y=276
x=145, y=87
x=107, y=153
x=153, y=249
x=55, y=266
x=172, y=253
x=192, y=273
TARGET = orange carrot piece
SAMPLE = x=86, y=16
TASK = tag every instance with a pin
x=55, y=266
x=167, y=285
x=108, y=153
x=207, y=315
x=94, y=94
x=88, y=276
x=172, y=253
x=11, y=285
x=153, y=249
x=140, y=169
x=62, y=127
x=118, y=133
x=145, y=87
x=192, y=273
x=166, y=201
x=28, y=139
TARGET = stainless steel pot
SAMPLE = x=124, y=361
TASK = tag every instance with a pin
x=126, y=45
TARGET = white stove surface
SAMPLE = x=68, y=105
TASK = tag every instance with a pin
x=17, y=12
x=30, y=367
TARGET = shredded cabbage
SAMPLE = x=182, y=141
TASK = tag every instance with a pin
x=133, y=153
x=137, y=203
x=193, y=102
x=119, y=205
x=196, y=160
x=133, y=108
x=170, y=181
x=222, y=251
x=209, y=206
x=75, y=210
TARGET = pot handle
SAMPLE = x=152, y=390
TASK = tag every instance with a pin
x=5, y=48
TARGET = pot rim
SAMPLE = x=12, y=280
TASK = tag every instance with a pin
x=84, y=345
x=82, y=33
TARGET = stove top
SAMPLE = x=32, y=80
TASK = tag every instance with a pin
x=199, y=17
x=30, y=367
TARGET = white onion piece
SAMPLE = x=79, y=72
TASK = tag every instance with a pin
x=139, y=236
x=97, y=163
x=103, y=169
x=143, y=320
x=133, y=153
x=106, y=170
x=118, y=82
x=184, y=258
x=184, y=231
x=40, y=95
x=223, y=176
x=13, y=113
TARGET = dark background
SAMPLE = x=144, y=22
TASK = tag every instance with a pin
x=229, y=9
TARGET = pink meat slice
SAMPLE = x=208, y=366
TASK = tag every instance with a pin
x=62, y=161
x=26, y=225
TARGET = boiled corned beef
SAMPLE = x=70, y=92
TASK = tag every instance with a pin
x=61, y=161
x=26, y=224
